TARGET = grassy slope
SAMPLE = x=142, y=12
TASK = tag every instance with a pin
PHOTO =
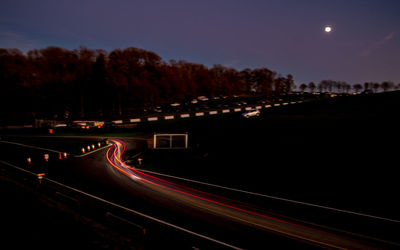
x=31, y=219
x=339, y=152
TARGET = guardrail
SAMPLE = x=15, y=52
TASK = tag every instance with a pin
x=204, y=113
x=156, y=232
x=145, y=225
x=164, y=117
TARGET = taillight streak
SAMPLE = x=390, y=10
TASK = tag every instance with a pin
x=141, y=176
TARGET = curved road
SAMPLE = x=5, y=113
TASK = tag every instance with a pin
x=105, y=174
x=225, y=209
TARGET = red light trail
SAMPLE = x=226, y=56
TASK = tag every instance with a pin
x=208, y=201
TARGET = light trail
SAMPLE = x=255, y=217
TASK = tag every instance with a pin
x=228, y=208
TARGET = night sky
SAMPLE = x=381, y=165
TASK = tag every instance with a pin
x=283, y=35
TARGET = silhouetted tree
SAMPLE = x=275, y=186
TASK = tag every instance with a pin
x=311, y=86
x=264, y=80
x=386, y=86
x=357, y=87
x=367, y=85
x=346, y=87
x=247, y=82
x=55, y=70
x=303, y=87
x=102, y=85
x=325, y=86
x=376, y=86
x=14, y=84
x=54, y=81
x=288, y=84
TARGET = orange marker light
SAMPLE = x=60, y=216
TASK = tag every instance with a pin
x=40, y=177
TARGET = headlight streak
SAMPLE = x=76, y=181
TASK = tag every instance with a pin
x=281, y=226
x=165, y=181
x=133, y=173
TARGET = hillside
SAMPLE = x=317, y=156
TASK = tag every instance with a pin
x=327, y=151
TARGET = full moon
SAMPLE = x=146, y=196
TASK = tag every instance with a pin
x=328, y=29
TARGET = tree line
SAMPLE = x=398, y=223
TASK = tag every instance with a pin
x=86, y=83
x=344, y=87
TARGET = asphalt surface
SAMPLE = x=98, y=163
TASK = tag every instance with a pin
x=238, y=224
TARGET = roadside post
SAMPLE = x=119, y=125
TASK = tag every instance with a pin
x=40, y=177
x=46, y=157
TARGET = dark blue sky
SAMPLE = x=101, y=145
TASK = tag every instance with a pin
x=283, y=35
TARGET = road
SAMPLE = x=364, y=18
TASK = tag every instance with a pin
x=230, y=223
x=227, y=210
